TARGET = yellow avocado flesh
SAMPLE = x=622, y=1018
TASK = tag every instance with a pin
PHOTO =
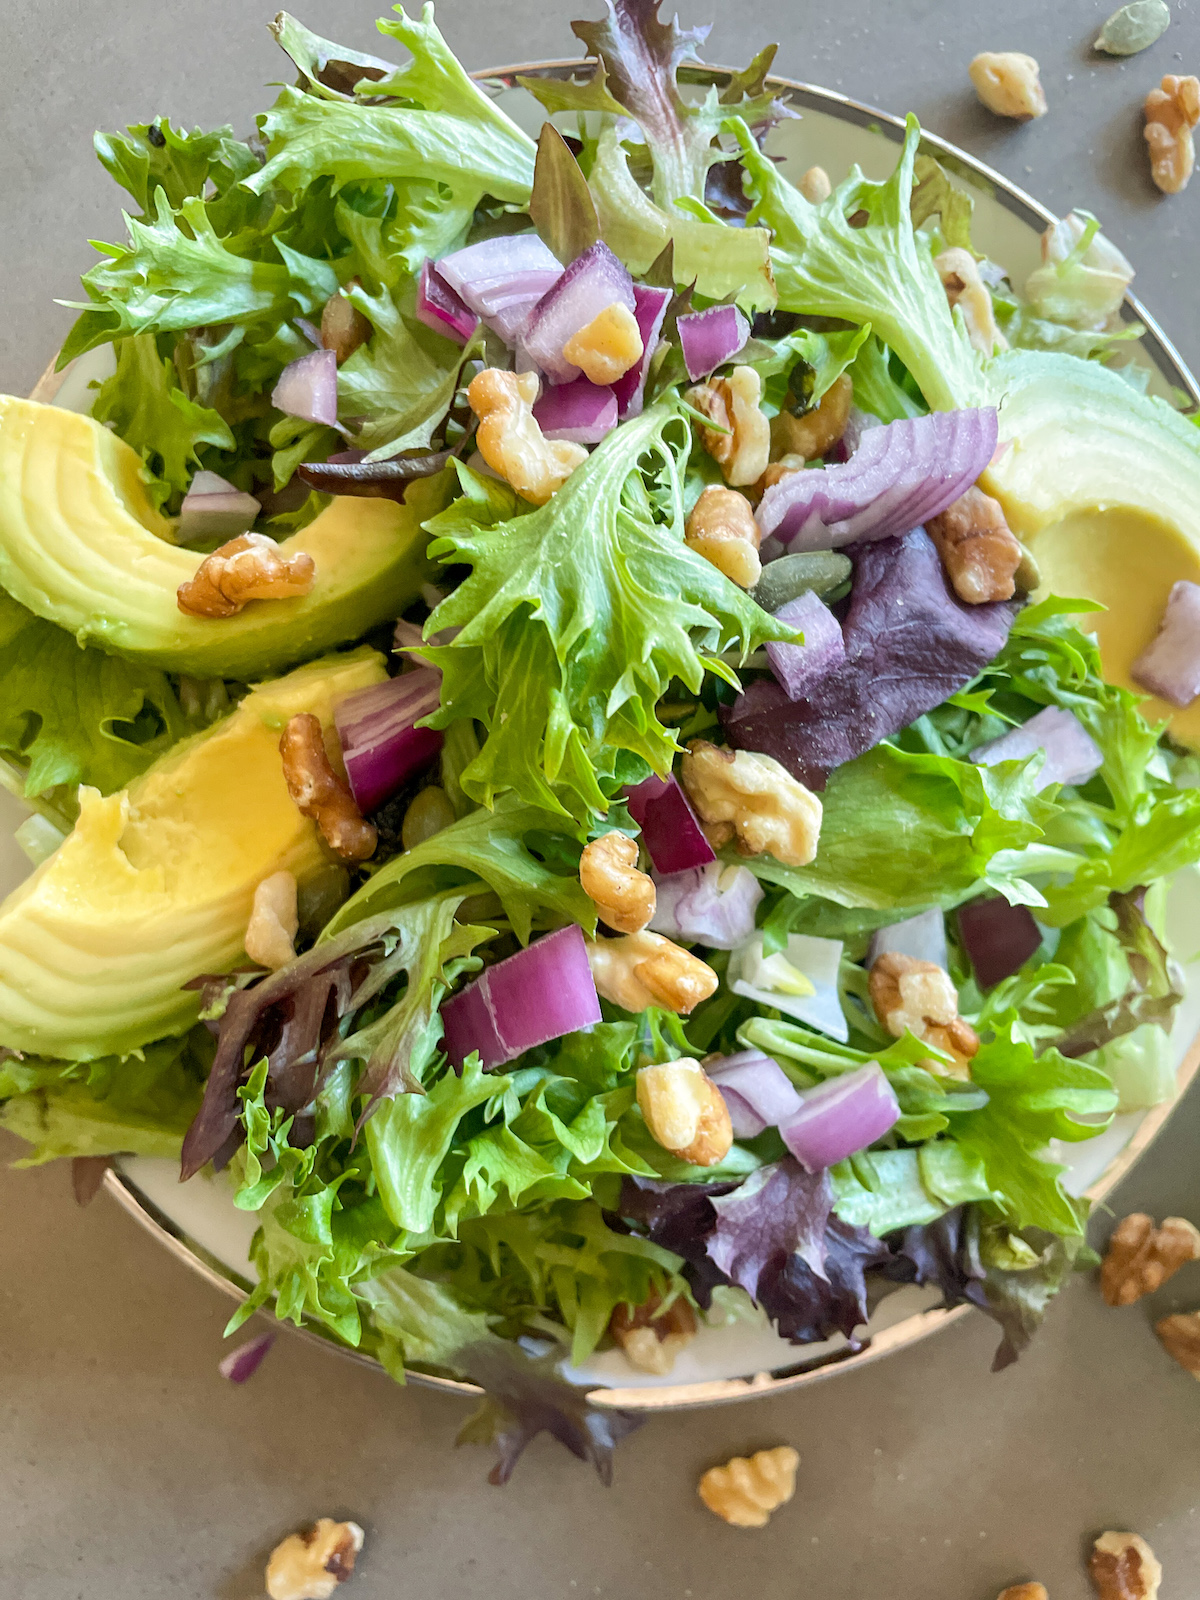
x=81, y=545
x=154, y=886
x=1103, y=485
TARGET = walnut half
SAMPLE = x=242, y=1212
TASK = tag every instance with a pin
x=771, y=812
x=1024, y=1591
x=684, y=1111
x=740, y=443
x=309, y=1566
x=250, y=567
x=919, y=997
x=651, y=1337
x=747, y=1489
x=1122, y=1566
x=979, y=551
x=1140, y=1257
x=1180, y=1337
x=320, y=794
x=623, y=896
x=1172, y=111
x=644, y=969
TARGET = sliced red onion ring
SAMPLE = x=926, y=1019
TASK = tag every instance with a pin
x=1169, y=666
x=537, y=995
x=1072, y=755
x=213, y=509
x=581, y=412
x=649, y=310
x=901, y=475
x=486, y=273
x=714, y=904
x=756, y=1089
x=671, y=830
x=710, y=338
x=307, y=388
x=442, y=308
x=998, y=938
x=245, y=1361
x=800, y=667
x=380, y=744
x=923, y=937
x=593, y=282
x=840, y=1117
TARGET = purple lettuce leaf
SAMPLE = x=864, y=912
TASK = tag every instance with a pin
x=1155, y=983
x=524, y=1395
x=807, y=1307
x=679, y=1217
x=779, y=1211
x=910, y=644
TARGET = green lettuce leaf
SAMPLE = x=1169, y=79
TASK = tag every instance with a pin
x=154, y=155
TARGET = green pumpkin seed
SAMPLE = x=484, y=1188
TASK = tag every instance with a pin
x=787, y=577
x=1134, y=27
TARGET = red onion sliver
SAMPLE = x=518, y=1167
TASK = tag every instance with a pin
x=245, y=1361
x=901, y=475
x=671, y=830
x=800, y=667
x=486, y=273
x=308, y=388
x=763, y=1092
x=1169, y=666
x=923, y=937
x=441, y=308
x=714, y=904
x=213, y=509
x=840, y=1117
x=710, y=338
x=380, y=744
x=649, y=310
x=581, y=412
x=998, y=938
x=541, y=993
x=1072, y=755
x=593, y=282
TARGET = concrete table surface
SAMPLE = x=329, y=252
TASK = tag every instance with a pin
x=129, y=1470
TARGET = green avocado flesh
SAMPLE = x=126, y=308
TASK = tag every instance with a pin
x=155, y=884
x=1103, y=484
x=81, y=545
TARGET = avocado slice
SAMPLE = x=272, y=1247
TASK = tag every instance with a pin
x=1103, y=484
x=81, y=545
x=154, y=885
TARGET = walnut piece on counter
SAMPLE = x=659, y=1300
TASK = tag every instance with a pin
x=1122, y=1566
x=623, y=896
x=1172, y=111
x=1024, y=1591
x=250, y=567
x=747, y=1489
x=979, y=551
x=309, y=1566
x=650, y=1337
x=684, y=1111
x=1180, y=1335
x=320, y=794
x=1140, y=1257
x=1008, y=83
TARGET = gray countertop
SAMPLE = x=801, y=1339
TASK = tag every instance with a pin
x=131, y=1471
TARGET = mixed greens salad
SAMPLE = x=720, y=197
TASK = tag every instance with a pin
x=699, y=880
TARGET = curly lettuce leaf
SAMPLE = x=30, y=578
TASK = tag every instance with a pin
x=575, y=618
x=154, y=155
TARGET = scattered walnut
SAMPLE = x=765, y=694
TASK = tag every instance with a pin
x=1008, y=84
x=610, y=344
x=722, y=529
x=816, y=431
x=249, y=567
x=959, y=272
x=510, y=440
x=979, y=551
x=644, y=969
x=650, y=1337
x=344, y=329
x=309, y=1566
x=777, y=471
x=685, y=1111
x=320, y=793
x=815, y=186
x=919, y=996
x=1180, y=1336
x=1123, y=1567
x=1025, y=1591
x=747, y=1489
x=624, y=897
x=770, y=811
x=743, y=450
x=1140, y=1257
x=1172, y=111
x=271, y=936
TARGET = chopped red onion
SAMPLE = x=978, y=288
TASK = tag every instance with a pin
x=756, y=1089
x=1072, y=755
x=923, y=937
x=710, y=338
x=441, y=308
x=998, y=939
x=593, y=282
x=311, y=332
x=649, y=310
x=213, y=509
x=1169, y=666
x=800, y=667
x=713, y=904
x=245, y=1361
x=901, y=475
x=840, y=1117
x=510, y=317
x=307, y=388
x=381, y=745
x=581, y=412
x=502, y=279
x=671, y=830
x=537, y=995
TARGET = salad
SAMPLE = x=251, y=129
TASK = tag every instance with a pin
x=565, y=763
